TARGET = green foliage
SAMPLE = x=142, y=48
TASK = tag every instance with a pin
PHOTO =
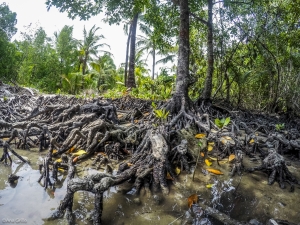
x=160, y=114
x=222, y=123
x=279, y=126
x=8, y=20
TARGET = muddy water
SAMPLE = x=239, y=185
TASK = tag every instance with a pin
x=242, y=197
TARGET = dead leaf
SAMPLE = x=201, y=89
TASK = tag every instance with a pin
x=169, y=176
x=212, y=158
x=80, y=152
x=231, y=157
x=199, y=136
x=215, y=171
x=202, y=154
x=227, y=137
x=177, y=170
x=193, y=199
x=211, y=143
x=251, y=141
x=70, y=150
x=54, y=151
x=75, y=159
x=210, y=148
x=209, y=185
x=129, y=164
x=207, y=162
x=61, y=170
x=58, y=160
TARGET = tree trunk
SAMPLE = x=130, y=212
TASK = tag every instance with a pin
x=127, y=51
x=181, y=87
x=131, y=77
x=210, y=55
x=153, y=64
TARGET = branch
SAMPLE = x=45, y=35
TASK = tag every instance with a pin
x=199, y=19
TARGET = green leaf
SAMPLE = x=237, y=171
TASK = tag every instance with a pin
x=227, y=121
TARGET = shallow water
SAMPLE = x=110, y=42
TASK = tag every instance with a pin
x=242, y=197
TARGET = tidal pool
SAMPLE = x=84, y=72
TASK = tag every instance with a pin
x=243, y=197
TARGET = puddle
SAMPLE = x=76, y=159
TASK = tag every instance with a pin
x=243, y=198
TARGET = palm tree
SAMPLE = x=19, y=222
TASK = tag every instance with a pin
x=149, y=45
x=105, y=69
x=89, y=46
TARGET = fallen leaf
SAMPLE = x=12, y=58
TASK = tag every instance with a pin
x=129, y=164
x=202, y=154
x=193, y=199
x=61, y=170
x=54, y=151
x=210, y=148
x=215, y=171
x=209, y=185
x=80, y=152
x=58, y=160
x=102, y=153
x=177, y=170
x=211, y=143
x=231, y=157
x=227, y=137
x=169, y=176
x=223, y=161
x=207, y=162
x=75, y=159
x=212, y=158
x=251, y=141
x=71, y=149
x=199, y=136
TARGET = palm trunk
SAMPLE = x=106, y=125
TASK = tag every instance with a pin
x=127, y=51
x=210, y=55
x=131, y=77
x=153, y=64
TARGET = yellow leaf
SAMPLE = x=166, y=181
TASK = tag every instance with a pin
x=227, y=137
x=61, y=170
x=207, y=162
x=212, y=158
x=251, y=141
x=80, y=152
x=169, y=176
x=199, y=136
x=211, y=143
x=193, y=199
x=223, y=161
x=177, y=171
x=209, y=185
x=54, y=151
x=215, y=171
x=58, y=160
x=210, y=148
x=231, y=157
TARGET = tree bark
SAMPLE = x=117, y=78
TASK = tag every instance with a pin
x=182, y=81
x=210, y=55
x=131, y=77
x=127, y=51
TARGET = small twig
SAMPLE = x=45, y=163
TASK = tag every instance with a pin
x=175, y=220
